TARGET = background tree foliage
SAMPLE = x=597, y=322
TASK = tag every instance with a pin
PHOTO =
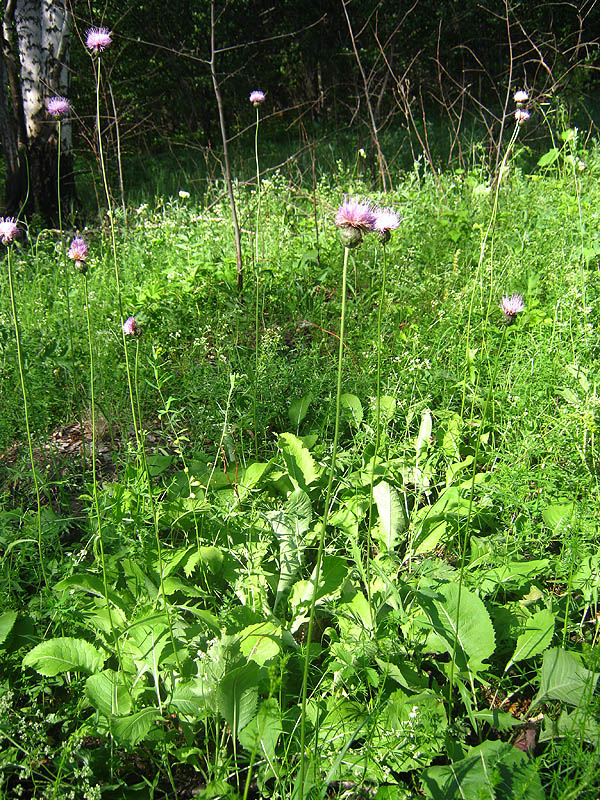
x=460, y=60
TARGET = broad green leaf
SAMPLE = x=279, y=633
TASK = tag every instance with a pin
x=193, y=698
x=451, y=438
x=157, y=463
x=558, y=516
x=496, y=719
x=7, y=620
x=290, y=525
x=298, y=409
x=334, y=570
x=404, y=674
x=250, y=477
x=548, y=158
x=468, y=624
x=577, y=724
x=536, y=637
x=424, y=436
x=299, y=462
x=352, y=408
x=108, y=694
x=91, y=584
x=261, y=642
x=491, y=771
x=514, y=575
x=64, y=654
x=563, y=677
x=237, y=695
x=262, y=733
x=132, y=729
x=392, y=515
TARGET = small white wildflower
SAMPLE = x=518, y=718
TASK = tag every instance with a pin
x=183, y=194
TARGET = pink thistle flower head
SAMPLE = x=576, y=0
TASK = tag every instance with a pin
x=130, y=327
x=386, y=221
x=58, y=106
x=522, y=115
x=355, y=213
x=521, y=96
x=353, y=218
x=78, y=251
x=257, y=98
x=512, y=305
x=98, y=39
x=8, y=230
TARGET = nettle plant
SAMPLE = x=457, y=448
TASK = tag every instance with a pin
x=401, y=666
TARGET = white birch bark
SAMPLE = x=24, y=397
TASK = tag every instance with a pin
x=43, y=30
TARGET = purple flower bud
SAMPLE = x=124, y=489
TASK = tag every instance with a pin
x=58, y=106
x=8, y=230
x=522, y=115
x=98, y=39
x=130, y=327
x=256, y=98
x=78, y=251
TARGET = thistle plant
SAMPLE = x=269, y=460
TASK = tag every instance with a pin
x=353, y=218
x=9, y=231
x=78, y=251
x=59, y=107
x=257, y=98
x=386, y=221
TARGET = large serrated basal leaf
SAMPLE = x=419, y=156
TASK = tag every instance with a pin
x=298, y=409
x=64, y=654
x=237, y=695
x=392, y=514
x=91, y=584
x=298, y=460
x=351, y=408
x=132, y=729
x=491, y=771
x=261, y=642
x=193, y=698
x=461, y=617
x=7, y=620
x=536, y=637
x=563, y=677
x=290, y=525
x=108, y=694
x=261, y=733
x=558, y=516
x=208, y=557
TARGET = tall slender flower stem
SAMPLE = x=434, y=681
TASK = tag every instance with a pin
x=257, y=282
x=465, y=537
x=26, y=413
x=482, y=252
x=317, y=570
x=65, y=265
x=114, y=250
x=155, y=512
x=95, y=477
x=377, y=423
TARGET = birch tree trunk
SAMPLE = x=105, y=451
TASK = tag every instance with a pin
x=36, y=37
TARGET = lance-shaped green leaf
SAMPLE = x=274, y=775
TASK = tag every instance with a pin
x=132, y=729
x=108, y=694
x=237, y=695
x=7, y=620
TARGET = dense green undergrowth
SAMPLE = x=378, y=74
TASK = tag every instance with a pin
x=454, y=652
